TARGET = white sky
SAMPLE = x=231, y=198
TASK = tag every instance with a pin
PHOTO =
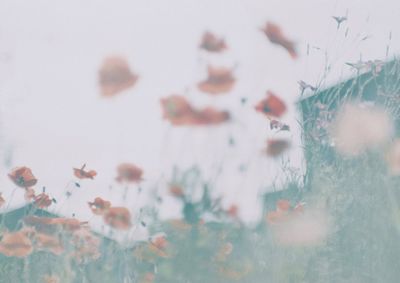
x=53, y=118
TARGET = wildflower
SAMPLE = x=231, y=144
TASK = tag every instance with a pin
x=23, y=177
x=17, y=244
x=42, y=200
x=115, y=76
x=68, y=224
x=211, y=43
x=129, y=173
x=86, y=245
x=180, y=113
x=220, y=80
x=275, y=35
x=233, y=211
x=82, y=174
x=118, y=218
x=176, y=191
x=272, y=105
x=276, y=147
x=49, y=243
x=158, y=244
x=357, y=129
x=99, y=206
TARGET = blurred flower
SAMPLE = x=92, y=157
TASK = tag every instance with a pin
x=82, y=174
x=17, y=244
x=180, y=113
x=115, y=76
x=86, y=245
x=220, y=80
x=233, y=211
x=118, y=218
x=129, y=173
x=49, y=243
x=42, y=200
x=275, y=35
x=276, y=147
x=357, y=128
x=211, y=43
x=23, y=177
x=271, y=106
x=176, y=191
x=99, y=206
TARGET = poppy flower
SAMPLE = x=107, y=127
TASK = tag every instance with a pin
x=180, y=113
x=17, y=244
x=42, y=200
x=99, y=206
x=276, y=147
x=233, y=211
x=211, y=43
x=176, y=191
x=115, y=76
x=41, y=224
x=2, y=200
x=23, y=177
x=29, y=194
x=82, y=174
x=272, y=105
x=220, y=80
x=68, y=224
x=49, y=243
x=158, y=245
x=283, y=211
x=275, y=35
x=86, y=245
x=129, y=173
x=118, y=218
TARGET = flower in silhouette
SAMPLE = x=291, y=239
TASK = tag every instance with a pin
x=82, y=174
x=23, y=177
x=272, y=105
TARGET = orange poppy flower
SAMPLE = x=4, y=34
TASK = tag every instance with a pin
x=129, y=173
x=115, y=76
x=42, y=200
x=220, y=80
x=180, y=113
x=23, y=177
x=211, y=43
x=49, y=243
x=118, y=218
x=99, y=206
x=176, y=191
x=2, y=200
x=272, y=105
x=68, y=224
x=29, y=194
x=276, y=147
x=233, y=211
x=275, y=35
x=17, y=244
x=82, y=174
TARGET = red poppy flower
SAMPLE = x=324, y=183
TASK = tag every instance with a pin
x=180, y=113
x=211, y=43
x=23, y=177
x=49, y=243
x=272, y=105
x=118, y=218
x=68, y=224
x=275, y=35
x=233, y=211
x=86, y=245
x=82, y=174
x=220, y=80
x=276, y=147
x=17, y=244
x=42, y=200
x=115, y=76
x=129, y=173
x=2, y=200
x=176, y=191
x=99, y=206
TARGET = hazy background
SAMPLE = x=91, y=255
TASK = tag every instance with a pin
x=53, y=117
